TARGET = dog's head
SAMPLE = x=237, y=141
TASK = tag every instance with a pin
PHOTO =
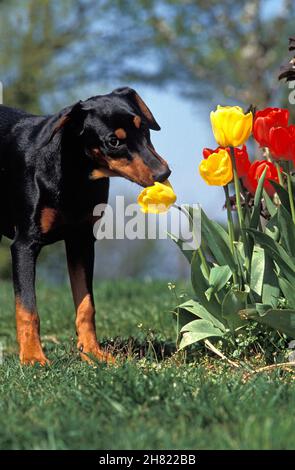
x=115, y=133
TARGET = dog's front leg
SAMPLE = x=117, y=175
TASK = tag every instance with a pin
x=24, y=255
x=80, y=257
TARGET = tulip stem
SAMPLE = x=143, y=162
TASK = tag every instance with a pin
x=239, y=209
x=290, y=191
x=231, y=232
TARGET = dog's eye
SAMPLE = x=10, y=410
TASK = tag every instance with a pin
x=114, y=142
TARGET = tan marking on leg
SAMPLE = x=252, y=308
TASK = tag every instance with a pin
x=48, y=218
x=120, y=133
x=137, y=121
x=85, y=323
x=28, y=336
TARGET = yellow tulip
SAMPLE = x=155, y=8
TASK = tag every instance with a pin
x=231, y=127
x=217, y=169
x=157, y=198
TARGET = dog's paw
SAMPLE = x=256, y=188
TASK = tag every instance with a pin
x=95, y=351
x=31, y=360
x=31, y=356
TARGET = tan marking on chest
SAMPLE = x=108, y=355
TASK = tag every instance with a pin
x=48, y=219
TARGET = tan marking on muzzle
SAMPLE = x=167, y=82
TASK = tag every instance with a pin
x=120, y=133
x=135, y=170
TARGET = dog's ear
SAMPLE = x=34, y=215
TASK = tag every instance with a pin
x=139, y=105
x=72, y=116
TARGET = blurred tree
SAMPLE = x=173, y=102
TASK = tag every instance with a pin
x=210, y=48
x=201, y=47
x=49, y=48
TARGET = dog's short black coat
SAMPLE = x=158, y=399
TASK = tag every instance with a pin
x=54, y=170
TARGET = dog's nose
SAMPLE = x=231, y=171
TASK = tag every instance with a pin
x=162, y=176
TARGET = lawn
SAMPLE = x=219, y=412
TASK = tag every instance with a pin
x=154, y=399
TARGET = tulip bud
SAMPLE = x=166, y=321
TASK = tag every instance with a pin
x=231, y=127
x=157, y=198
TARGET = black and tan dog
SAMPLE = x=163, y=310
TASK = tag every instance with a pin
x=54, y=170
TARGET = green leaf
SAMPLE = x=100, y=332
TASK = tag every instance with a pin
x=201, y=284
x=257, y=269
x=273, y=233
x=219, y=276
x=262, y=308
x=217, y=241
x=194, y=214
x=196, y=331
x=187, y=253
x=272, y=228
x=197, y=309
x=271, y=289
x=233, y=302
x=283, y=194
x=276, y=252
x=287, y=229
x=257, y=202
x=288, y=291
x=278, y=319
x=240, y=251
x=254, y=309
x=184, y=316
x=271, y=207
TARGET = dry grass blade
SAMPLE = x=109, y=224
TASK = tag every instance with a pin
x=284, y=365
x=212, y=348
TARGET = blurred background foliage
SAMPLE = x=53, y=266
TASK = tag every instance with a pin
x=55, y=52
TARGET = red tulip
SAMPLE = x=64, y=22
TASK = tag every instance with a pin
x=241, y=156
x=256, y=169
x=282, y=142
x=242, y=161
x=266, y=119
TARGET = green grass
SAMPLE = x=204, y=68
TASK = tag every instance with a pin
x=153, y=402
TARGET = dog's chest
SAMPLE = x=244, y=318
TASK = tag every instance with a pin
x=55, y=220
x=71, y=206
